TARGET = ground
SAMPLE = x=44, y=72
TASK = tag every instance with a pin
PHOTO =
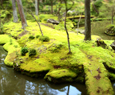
x=52, y=61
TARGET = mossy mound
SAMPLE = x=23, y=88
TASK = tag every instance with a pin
x=60, y=75
x=110, y=30
x=11, y=46
x=87, y=57
x=33, y=67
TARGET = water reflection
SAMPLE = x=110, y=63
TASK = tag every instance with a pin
x=13, y=83
x=113, y=86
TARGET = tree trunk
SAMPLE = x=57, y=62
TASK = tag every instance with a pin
x=87, y=20
x=1, y=2
x=66, y=29
x=0, y=22
x=15, y=16
x=21, y=12
x=36, y=7
x=112, y=16
x=30, y=12
x=51, y=6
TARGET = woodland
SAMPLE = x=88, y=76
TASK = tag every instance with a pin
x=61, y=41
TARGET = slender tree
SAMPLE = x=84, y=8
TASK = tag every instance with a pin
x=36, y=6
x=51, y=6
x=15, y=16
x=87, y=20
x=66, y=28
x=21, y=12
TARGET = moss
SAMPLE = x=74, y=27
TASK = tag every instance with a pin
x=112, y=76
x=31, y=37
x=61, y=73
x=32, y=52
x=38, y=65
x=24, y=50
x=85, y=55
x=55, y=47
x=44, y=39
x=10, y=58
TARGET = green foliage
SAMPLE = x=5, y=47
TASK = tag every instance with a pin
x=44, y=17
x=44, y=38
x=96, y=6
x=24, y=50
x=55, y=47
x=37, y=36
x=31, y=37
x=10, y=41
x=32, y=52
x=1, y=28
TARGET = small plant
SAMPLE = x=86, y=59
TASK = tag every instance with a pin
x=1, y=32
x=10, y=41
x=37, y=36
x=24, y=50
x=44, y=38
x=32, y=52
x=15, y=46
x=31, y=37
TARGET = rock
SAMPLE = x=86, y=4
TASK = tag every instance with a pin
x=113, y=45
x=110, y=31
x=53, y=21
x=101, y=43
x=60, y=76
x=81, y=31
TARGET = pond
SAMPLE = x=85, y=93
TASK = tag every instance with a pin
x=99, y=27
x=14, y=83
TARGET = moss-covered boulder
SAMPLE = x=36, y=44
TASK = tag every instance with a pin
x=61, y=75
x=12, y=47
x=110, y=30
x=35, y=67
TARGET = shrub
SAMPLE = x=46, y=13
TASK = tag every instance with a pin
x=37, y=36
x=32, y=52
x=24, y=50
x=44, y=38
x=31, y=37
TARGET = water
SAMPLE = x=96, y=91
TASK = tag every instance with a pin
x=14, y=83
x=99, y=27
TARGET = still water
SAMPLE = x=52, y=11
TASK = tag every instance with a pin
x=13, y=83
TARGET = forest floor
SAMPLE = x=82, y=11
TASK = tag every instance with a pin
x=88, y=62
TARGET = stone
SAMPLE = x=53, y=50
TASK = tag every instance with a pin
x=113, y=45
x=81, y=31
x=110, y=31
x=53, y=21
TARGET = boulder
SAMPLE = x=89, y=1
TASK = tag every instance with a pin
x=110, y=31
x=81, y=31
x=113, y=45
x=53, y=21
x=101, y=43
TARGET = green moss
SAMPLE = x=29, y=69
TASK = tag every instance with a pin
x=24, y=50
x=31, y=37
x=53, y=56
x=38, y=65
x=44, y=38
x=32, y=52
x=61, y=73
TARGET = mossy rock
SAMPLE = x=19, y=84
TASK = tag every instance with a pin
x=60, y=75
x=38, y=65
x=55, y=47
x=111, y=76
x=9, y=60
x=110, y=30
